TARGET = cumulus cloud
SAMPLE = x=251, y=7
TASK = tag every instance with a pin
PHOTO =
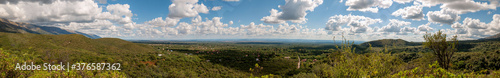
x=120, y=10
x=425, y=28
x=411, y=12
x=216, y=8
x=460, y=6
x=34, y=1
x=402, y=1
x=367, y=5
x=64, y=12
x=474, y=23
x=407, y=30
x=256, y=30
x=80, y=15
x=273, y=18
x=443, y=16
x=474, y=28
x=398, y=27
x=429, y=3
x=206, y=27
x=394, y=26
x=186, y=8
x=495, y=23
x=160, y=22
x=293, y=10
x=467, y=6
x=55, y=11
x=286, y=28
x=358, y=24
x=456, y=25
x=104, y=28
x=184, y=28
x=209, y=26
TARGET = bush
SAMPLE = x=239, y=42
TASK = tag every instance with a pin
x=442, y=50
x=345, y=63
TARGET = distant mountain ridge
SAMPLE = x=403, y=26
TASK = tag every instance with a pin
x=494, y=37
x=20, y=27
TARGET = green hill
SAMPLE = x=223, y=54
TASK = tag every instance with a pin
x=137, y=60
x=389, y=42
x=493, y=37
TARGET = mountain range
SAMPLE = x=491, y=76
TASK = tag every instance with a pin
x=493, y=37
x=20, y=27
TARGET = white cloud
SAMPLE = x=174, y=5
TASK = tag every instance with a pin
x=407, y=30
x=255, y=30
x=216, y=8
x=34, y=1
x=394, y=26
x=184, y=28
x=230, y=22
x=64, y=12
x=411, y=12
x=286, y=29
x=119, y=9
x=402, y=1
x=495, y=23
x=462, y=7
x=160, y=22
x=157, y=22
x=443, y=17
x=429, y=3
x=293, y=10
x=456, y=25
x=474, y=28
x=214, y=22
x=474, y=23
x=53, y=12
x=273, y=18
x=80, y=15
x=357, y=24
x=425, y=28
x=367, y=5
x=103, y=28
x=186, y=8
x=402, y=28
x=209, y=26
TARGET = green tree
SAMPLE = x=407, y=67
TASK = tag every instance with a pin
x=442, y=49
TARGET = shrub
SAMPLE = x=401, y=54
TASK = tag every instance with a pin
x=442, y=50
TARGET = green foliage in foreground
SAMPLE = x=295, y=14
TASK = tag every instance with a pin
x=441, y=48
x=9, y=62
x=435, y=71
x=137, y=60
x=226, y=60
x=344, y=63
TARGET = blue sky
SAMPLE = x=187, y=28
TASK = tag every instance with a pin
x=262, y=19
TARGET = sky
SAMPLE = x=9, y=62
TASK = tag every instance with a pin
x=362, y=20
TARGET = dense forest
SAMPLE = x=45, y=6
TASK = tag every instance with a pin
x=381, y=58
